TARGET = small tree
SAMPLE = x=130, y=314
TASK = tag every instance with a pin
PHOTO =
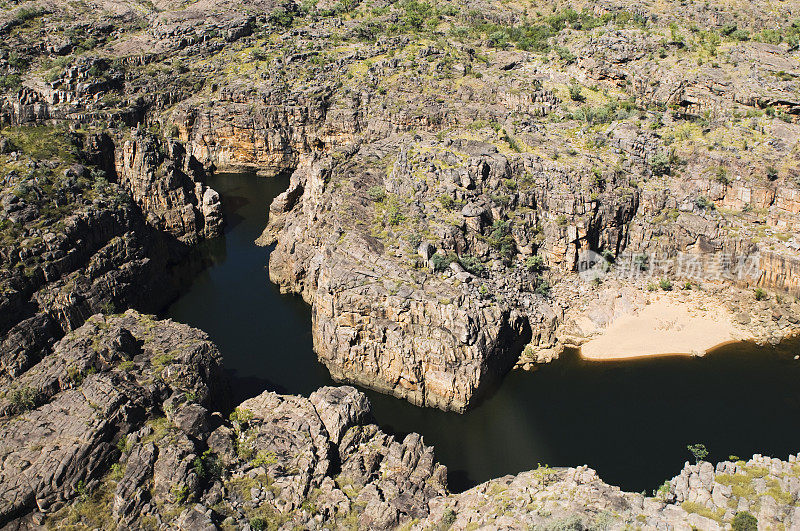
x=699, y=451
x=661, y=163
x=575, y=93
x=441, y=261
x=535, y=264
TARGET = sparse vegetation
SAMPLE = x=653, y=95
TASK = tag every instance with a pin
x=377, y=193
x=441, y=261
x=744, y=521
x=24, y=398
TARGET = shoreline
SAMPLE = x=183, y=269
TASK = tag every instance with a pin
x=669, y=325
x=650, y=355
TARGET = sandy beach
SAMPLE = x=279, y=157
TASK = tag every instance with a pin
x=666, y=326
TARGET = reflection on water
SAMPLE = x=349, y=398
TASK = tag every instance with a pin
x=630, y=420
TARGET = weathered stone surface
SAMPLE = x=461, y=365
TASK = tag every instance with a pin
x=576, y=498
x=167, y=184
x=63, y=417
x=339, y=408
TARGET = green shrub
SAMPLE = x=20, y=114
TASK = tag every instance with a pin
x=698, y=450
x=448, y=519
x=535, y=264
x=511, y=141
x=240, y=415
x=472, y=264
x=440, y=261
x=702, y=510
x=759, y=294
x=498, y=39
x=703, y=203
x=642, y=262
x=663, y=491
x=501, y=239
x=25, y=14
x=665, y=284
x=744, y=521
x=772, y=173
x=264, y=458
x=541, y=286
x=416, y=15
x=567, y=523
x=575, y=93
x=449, y=203
x=10, y=82
x=377, y=193
x=281, y=17
x=393, y=215
x=182, y=493
x=740, y=35
x=661, y=164
x=24, y=398
x=565, y=55
x=207, y=465
x=721, y=176
x=500, y=199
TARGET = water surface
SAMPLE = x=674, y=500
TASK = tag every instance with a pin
x=631, y=420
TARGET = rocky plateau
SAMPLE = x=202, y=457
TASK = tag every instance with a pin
x=474, y=186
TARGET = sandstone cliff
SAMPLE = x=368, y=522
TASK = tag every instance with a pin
x=120, y=427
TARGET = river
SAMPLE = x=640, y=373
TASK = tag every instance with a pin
x=631, y=421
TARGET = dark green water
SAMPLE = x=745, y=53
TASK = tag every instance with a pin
x=631, y=421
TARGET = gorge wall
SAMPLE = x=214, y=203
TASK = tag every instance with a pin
x=122, y=426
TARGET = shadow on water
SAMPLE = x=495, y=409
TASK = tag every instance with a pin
x=265, y=337
x=631, y=421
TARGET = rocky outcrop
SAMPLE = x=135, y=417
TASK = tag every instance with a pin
x=123, y=415
x=62, y=419
x=702, y=497
x=411, y=333
x=301, y=445
x=167, y=184
x=120, y=427
x=76, y=244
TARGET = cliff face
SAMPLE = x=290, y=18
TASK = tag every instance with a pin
x=378, y=322
x=167, y=184
x=360, y=237
x=515, y=149
x=126, y=408
x=263, y=131
x=120, y=427
x=83, y=235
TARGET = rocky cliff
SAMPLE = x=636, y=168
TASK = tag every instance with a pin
x=121, y=427
x=79, y=237
x=449, y=168
x=474, y=186
x=701, y=497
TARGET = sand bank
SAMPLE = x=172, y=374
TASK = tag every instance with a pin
x=666, y=326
